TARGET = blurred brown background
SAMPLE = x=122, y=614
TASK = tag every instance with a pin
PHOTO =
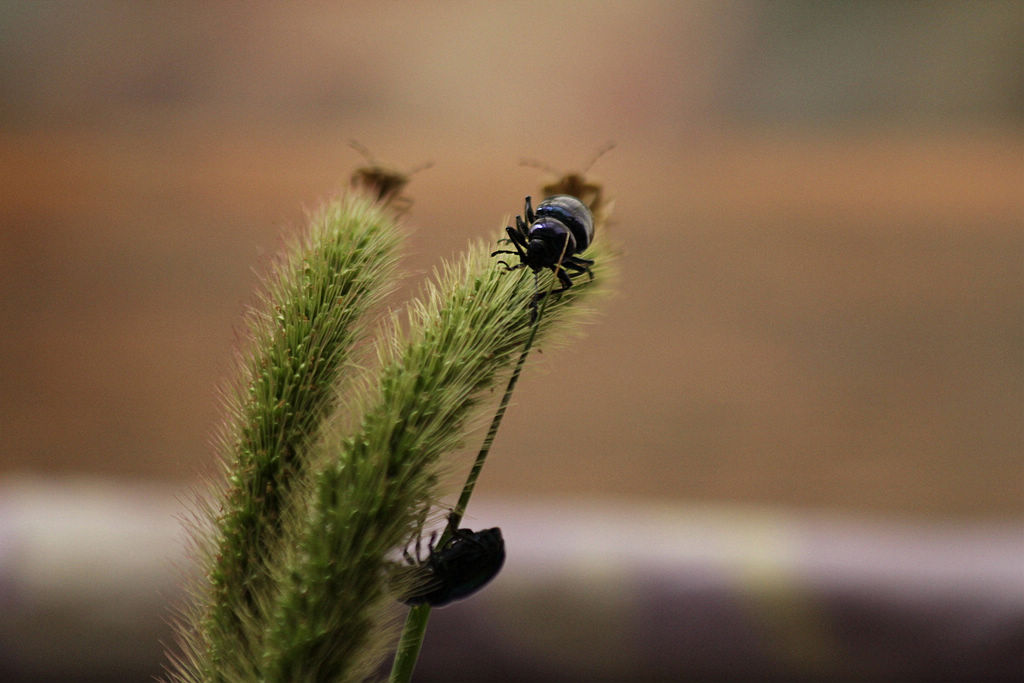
x=820, y=204
x=821, y=207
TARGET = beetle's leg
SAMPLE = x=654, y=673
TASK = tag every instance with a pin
x=515, y=239
x=508, y=268
x=579, y=270
x=419, y=538
x=538, y=297
x=528, y=212
x=512, y=238
x=523, y=228
x=534, y=299
x=518, y=238
x=564, y=278
x=576, y=268
x=579, y=265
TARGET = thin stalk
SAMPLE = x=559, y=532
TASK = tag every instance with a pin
x=415, y=629
x=492, y=431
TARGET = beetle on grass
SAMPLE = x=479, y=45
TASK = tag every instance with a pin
x=551, y=237
x=466, y=562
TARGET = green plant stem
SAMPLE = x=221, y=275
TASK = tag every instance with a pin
x=416, y=622
x=409, y=645
x=492, y=431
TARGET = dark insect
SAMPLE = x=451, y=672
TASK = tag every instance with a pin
x=577, y=184
x=383, y=184
x=457, y=569
x=551, y=237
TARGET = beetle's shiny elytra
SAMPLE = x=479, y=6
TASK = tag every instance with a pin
x=572, y=213
x=463, y=565
x=551, y=237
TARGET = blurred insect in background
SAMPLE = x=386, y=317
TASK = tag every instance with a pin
x=383, y=184
x=464, y=564
x=576, y=184
x=561, y=227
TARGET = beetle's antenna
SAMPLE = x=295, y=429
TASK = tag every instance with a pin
x=422, y=167
x=363, y=151
x=534, y=163
x=608, y=146
x=372, y=161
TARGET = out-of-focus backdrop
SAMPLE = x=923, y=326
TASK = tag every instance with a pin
x=821, y=208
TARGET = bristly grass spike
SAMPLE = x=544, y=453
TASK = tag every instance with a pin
x=415, y=625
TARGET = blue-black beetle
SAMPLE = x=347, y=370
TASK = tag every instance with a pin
x=462, y=566
x=551, y=237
